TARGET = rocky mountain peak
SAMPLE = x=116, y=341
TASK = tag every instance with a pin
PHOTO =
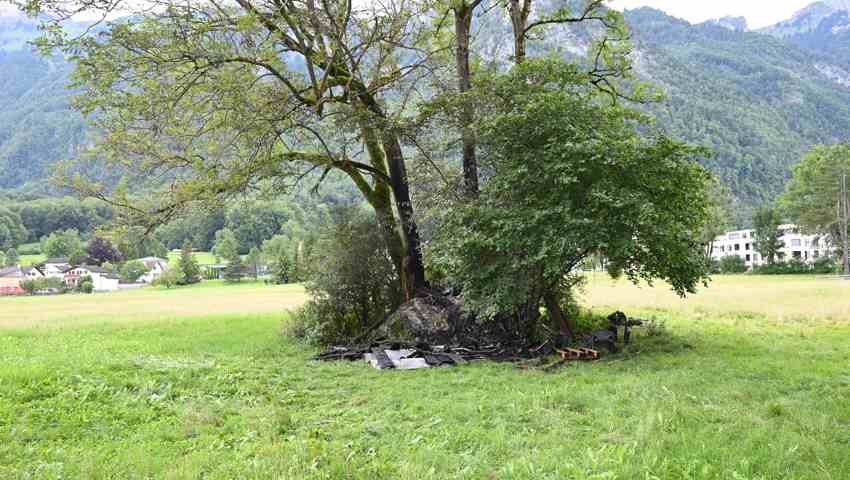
x=736, y=24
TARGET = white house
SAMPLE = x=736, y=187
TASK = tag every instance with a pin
x=742, y=243
x=34, y=272
x=155, y=267
x=55, y=267
x=102, y=280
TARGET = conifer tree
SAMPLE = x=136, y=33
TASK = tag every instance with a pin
x=188, y=265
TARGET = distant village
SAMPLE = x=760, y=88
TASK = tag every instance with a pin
x=12, y=279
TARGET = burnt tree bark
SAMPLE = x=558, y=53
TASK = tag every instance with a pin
x=566, y=326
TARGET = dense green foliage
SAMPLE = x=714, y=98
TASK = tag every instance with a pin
x=281, y=255
x=731, y=264
x=43, y=216
x=37, y=285
x=189, y=271
x=131, y=271
x=815, y=190
x=823, y=266
x=767, y=234
x=38, y=127
x=66, y=243
x=235, y=269
x=12, y=230
x=757, y=102
x=10, y=258
x=352, y=281
x=226, y=246
x=818, y=196
x=569, y=176
x=254, y=262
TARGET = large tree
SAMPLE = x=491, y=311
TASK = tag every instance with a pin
x=219, y=98
x=570, y=177
x=100, y=250
x=12, y=230
x=818, y=195
x=767, y=220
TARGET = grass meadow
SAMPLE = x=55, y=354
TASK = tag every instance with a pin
x=204, y=258
x=750, y=379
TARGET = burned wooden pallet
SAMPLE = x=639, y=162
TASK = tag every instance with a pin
x=578, y=354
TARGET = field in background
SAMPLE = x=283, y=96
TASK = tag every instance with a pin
x=149, y=305
x=203, y=258
x=780, y=299
x=749, y=380
x=30, y=260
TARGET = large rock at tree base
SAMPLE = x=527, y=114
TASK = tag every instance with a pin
x=433, y=319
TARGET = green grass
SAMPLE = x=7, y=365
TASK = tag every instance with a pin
x=204, y=258
x=730, y=391
x=29, y=260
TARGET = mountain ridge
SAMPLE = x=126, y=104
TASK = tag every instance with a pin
x=757, y=100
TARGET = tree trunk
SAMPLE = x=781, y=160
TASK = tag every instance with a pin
x=845, y=221
x=566, y=328
x=463, y=25
x=379, y=197
x=413, y=269
x=519, y=22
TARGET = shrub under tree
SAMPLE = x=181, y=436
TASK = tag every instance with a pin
x=352, y=284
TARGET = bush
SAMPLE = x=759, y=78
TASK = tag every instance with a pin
x=733, y=264
x=87, y=286
x=353, y=282
x=37, y=285
x=793, y=267
x=29, y=249
x=132, y=271
x=169, y=278
x=824, y=266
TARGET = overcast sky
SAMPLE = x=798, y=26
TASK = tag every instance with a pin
x=759, y=13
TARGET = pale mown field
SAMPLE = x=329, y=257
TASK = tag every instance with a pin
x=750, y=379
x=780, y=299
x=148, y=304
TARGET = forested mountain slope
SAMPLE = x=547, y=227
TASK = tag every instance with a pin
x=37, y=125
x=756, y=100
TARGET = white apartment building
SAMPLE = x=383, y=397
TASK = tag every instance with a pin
x=742, y=243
